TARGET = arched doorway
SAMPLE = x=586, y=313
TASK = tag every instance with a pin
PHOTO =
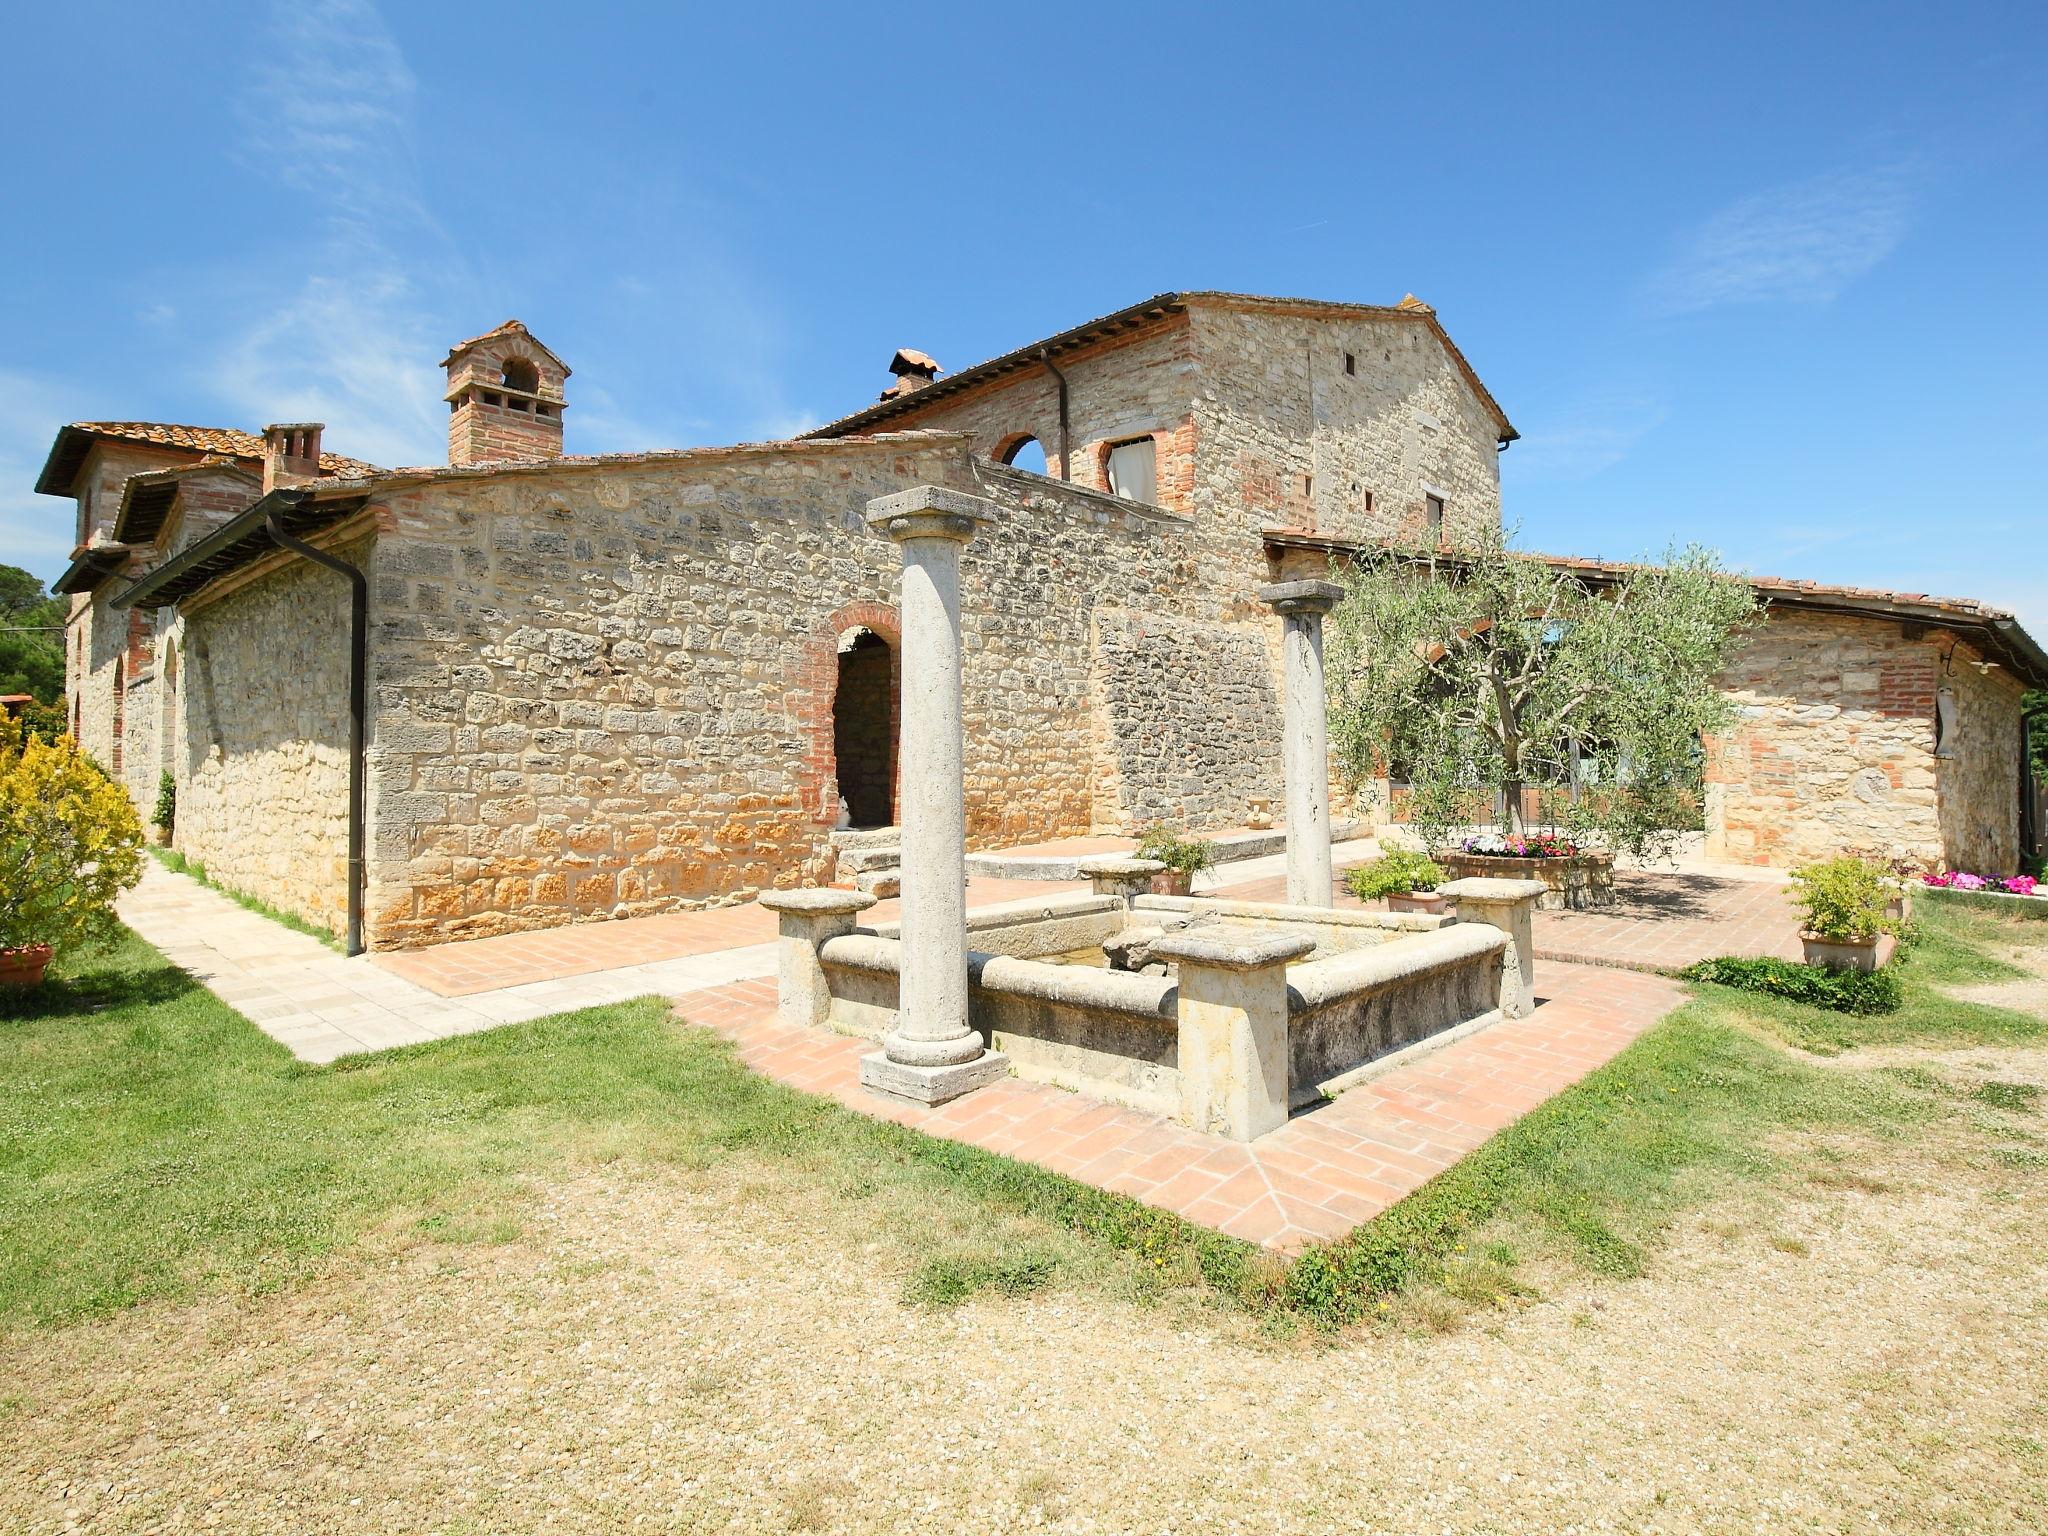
x=1025, y=452
x=863, y=730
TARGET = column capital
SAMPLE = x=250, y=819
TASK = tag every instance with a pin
x=930, y=512
x=1288, y=598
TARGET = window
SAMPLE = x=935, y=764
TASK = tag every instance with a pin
x=1350, y=364
x=520, y=374
x=1134, y=470
x=1945, y=721
x=1024, y=453
x=1433, y=516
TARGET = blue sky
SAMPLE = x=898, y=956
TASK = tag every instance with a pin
x=1771, y=277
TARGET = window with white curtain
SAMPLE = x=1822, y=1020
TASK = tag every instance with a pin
x=1134, y=470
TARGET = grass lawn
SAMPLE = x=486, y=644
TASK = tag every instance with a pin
x=152, y=1142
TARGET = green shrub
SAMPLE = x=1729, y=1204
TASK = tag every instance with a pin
x=69, y=843
x=1398, y=873
x=1189, y=855
x=166, y=813
x=1818, y=986
x=1843, y=899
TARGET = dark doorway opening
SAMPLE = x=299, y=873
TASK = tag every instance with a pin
x=863, y=729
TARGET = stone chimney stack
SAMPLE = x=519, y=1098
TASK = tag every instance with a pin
x=291, y=453
x=504, y=399
x=913, y=371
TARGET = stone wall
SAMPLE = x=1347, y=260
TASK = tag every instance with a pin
x=1979, y=785
x=1834, y=749
x=1289, y=437
x=1188, y=720
x=262, y=766
x=1142, y=385
x=606, y=688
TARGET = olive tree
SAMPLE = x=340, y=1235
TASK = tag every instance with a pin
x=1477, y=674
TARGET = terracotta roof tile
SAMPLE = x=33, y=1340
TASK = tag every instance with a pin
x=228, y=441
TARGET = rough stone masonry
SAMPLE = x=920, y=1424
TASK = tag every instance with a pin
x=615, y=685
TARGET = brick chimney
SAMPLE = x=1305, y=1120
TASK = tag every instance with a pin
x=291, y=453
x=913, y=370
x=504, y=399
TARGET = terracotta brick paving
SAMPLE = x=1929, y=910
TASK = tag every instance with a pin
x=1315, y=1178
x=1661, y=921
x=470, y=966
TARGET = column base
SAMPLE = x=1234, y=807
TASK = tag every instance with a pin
x=931, y=1085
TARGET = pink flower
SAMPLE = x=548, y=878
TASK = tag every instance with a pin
x=2022, y=885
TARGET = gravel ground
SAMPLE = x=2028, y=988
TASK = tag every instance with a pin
x=726, y=1351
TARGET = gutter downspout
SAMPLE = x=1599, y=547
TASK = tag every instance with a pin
x=1045, y=362
x=358, y=653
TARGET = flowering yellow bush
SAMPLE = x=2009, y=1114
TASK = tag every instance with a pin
x=70, y=842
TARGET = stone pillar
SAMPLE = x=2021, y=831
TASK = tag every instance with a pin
x=805, y=920
x=1306, y=736
x=1124, y=879
x=1234, y=1076
x=932, y=1054
x=1510, y=906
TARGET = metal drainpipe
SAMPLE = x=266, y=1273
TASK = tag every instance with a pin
x=1045, y=361
x=358, y=651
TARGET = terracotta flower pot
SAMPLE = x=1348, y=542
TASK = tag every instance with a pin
x=1173, y=882
x=24, y=967
x=1847, y=954
x=1415, y=901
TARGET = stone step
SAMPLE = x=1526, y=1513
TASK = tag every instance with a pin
x=856, y=861
x=882, y=883
x=867, y=837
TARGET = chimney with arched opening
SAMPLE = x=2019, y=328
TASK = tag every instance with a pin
x=504, y=398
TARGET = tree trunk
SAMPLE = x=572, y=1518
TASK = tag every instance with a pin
x=1511, y=794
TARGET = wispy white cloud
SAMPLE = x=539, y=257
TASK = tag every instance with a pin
x=1802, y=243
x=1583, y=435
x=352, y=341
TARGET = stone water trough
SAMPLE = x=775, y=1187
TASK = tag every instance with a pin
x=1250, y=1010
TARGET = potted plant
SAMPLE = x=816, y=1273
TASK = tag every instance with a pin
x=1408, y=881
x=70, y=842
x=1842, y=903
x=1184, y=858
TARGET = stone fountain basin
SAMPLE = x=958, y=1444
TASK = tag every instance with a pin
x=1375, y=983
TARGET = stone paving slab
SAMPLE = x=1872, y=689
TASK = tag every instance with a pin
x=1312, y=1180
x=1661, y=920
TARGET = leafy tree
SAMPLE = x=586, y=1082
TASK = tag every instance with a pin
x=2034, y=709
x=1481, y=673
x=31, y=637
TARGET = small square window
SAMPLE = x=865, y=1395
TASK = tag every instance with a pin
x=1134, y=470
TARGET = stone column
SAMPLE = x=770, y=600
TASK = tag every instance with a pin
x=1124, y=879
x=1306, y=736
x=805, y=920
x=1510, y=906
x=933, y=1053
x=1234, y=1062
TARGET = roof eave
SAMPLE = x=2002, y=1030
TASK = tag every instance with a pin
x=238, y=542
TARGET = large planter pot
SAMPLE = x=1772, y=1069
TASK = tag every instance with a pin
x=1572, y=884
x=24, y=967
x=1848, y=954
x=1415, y=901
x=1173, y=882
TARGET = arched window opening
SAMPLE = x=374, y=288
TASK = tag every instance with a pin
x=863, y=737
x=520, y=374
x=1026, y=452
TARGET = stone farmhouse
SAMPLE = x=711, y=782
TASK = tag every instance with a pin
x=527, y=688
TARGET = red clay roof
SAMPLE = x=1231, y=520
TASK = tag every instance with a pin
x=69, y=450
